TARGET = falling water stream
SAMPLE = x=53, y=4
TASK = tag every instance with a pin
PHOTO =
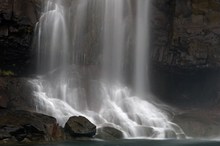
x=66, y=87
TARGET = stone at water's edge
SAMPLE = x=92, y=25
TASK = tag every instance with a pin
x=109, y=133
x=24, y=126
x=170, y=134
x=80, y=127
x=199, y=124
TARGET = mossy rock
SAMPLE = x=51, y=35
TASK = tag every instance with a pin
x=6, y=73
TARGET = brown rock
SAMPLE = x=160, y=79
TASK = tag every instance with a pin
x=6, y=8
x=25, y=12
x=17, y=22
x=3, y=102
x=192, y=34
x=23, y=125
x=16, y=93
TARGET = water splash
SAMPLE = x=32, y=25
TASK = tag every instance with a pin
x=99, y=94
x=114, y=105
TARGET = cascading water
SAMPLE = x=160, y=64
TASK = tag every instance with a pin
x=141, y=53
x=114, y=39
x=69, y=89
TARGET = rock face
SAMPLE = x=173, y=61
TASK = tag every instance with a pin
x=17, y=22
x=161, y=28
x=18, y=126
x=199, y=124
x=191, y=33
x=80, y=127
x=184, y=33
x=16, y=93
x=185, y=51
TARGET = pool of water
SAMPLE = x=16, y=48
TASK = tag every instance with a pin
x=136, y=143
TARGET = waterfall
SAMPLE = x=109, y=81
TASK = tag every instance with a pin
x=114, y=39
x=81, y=47
x=141, y=47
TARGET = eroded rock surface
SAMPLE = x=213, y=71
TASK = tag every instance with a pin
x=80, y=127
x=16, y=93
x=109, y=133
x=17, y=22
x=24, y=126
x=186, y=33
x=199, y=124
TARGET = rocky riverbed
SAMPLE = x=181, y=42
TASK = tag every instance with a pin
x=18, y=126
x=19, y=122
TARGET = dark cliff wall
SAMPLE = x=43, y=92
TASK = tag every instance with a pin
x=185, y=33
x=185, y=52
x=161, y=28
x=17, y=21
x=193, y=34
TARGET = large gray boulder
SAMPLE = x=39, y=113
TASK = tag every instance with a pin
x=80, y=127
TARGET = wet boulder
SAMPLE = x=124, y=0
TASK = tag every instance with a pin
x=21, y=126
x=80, y=127
x=109, y=133
x=170, y=134
x=145, y=131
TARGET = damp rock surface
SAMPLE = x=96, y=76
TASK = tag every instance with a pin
x=16, y=93
x=80, y=127
x=186, y=33
x=24, y=126
x=109, y=133
x=199, y=124
x=17, y=22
